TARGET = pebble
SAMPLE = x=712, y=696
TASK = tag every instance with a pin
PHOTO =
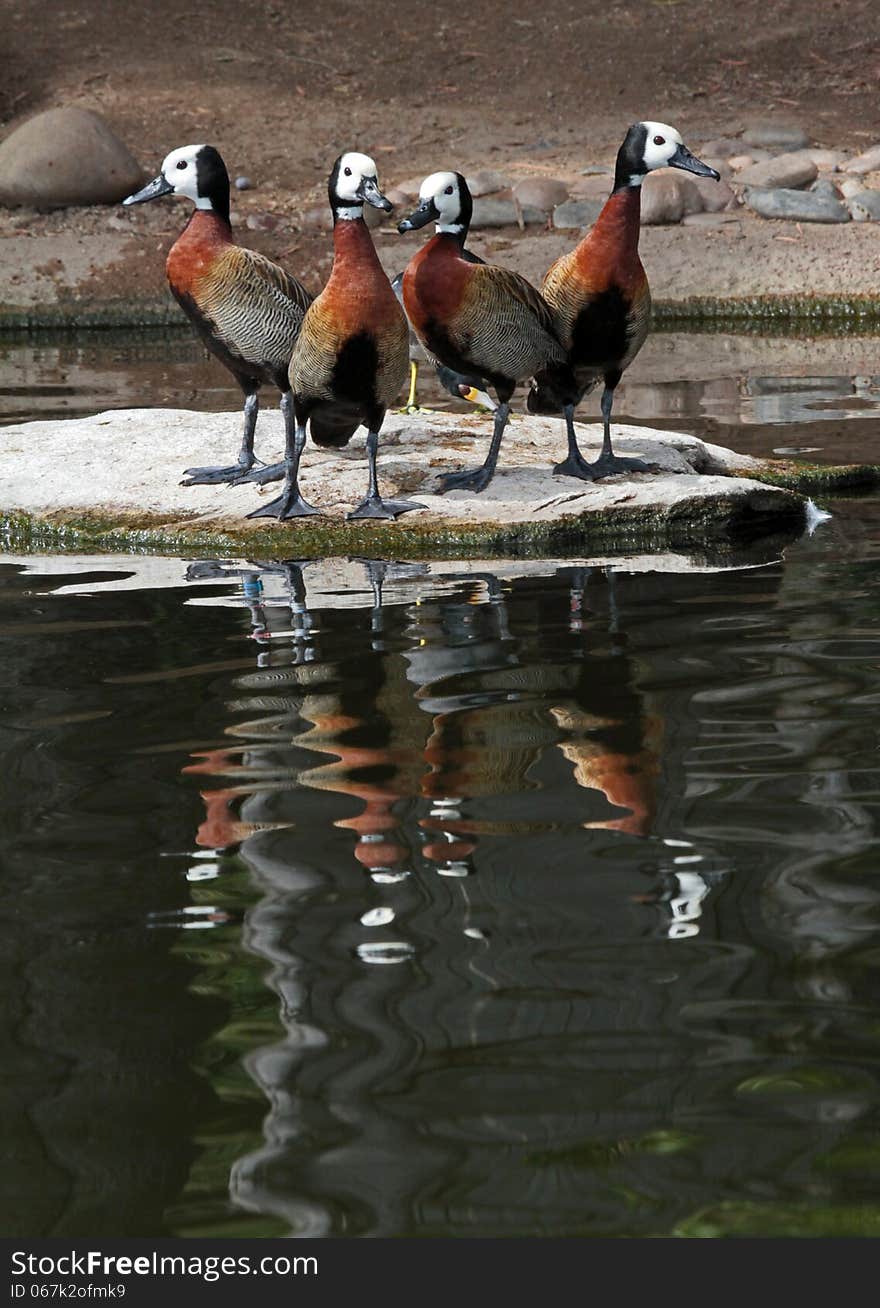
x=864, y=207
x=738, y=161
x=66, y=157
x=720, y=165
x=667, y=196
x=772, y=135
x=797, y=206
x=486, y=182
x=398, y=196
x=243, y=184
x=503, y=213
x=541, y=192
x=787, y=171
x=864, y=163
x=579, y=213
x=849, y=186
x=826, y=160
x=715, y=195
x=721, y=148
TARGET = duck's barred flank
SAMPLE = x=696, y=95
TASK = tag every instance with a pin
x=255, y=307
x=505, y=326
x=327, y=363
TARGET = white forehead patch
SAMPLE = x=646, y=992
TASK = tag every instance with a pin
x=180, y=169
x=436, y=184
x=359, y=166
x=661, y=143
x=442, y=188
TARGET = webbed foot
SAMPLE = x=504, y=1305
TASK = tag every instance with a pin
x=375, y=507
x=260, y=476
x=476, y=481
x=286, y=506
x=213, y=476
x=575, y=467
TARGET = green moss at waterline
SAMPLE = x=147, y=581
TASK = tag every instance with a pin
x=694, y=524
x=815, y=311
x=815, y=478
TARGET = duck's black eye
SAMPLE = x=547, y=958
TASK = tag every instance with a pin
x=181, y=163
x=448, y=191
x=347, y=172
x=659, y=140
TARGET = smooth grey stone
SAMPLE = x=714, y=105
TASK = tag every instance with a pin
x=865, y=207
x=576, y=213
x=541, y=192
x=503, y=213
x=786, y=171
x=66, y=157
x=797, y=206
x=486, y=182
x=868, y=162
x=243, y=184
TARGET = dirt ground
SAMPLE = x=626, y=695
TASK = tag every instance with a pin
x=281, y=89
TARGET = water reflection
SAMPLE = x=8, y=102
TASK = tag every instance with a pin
x=502, y=898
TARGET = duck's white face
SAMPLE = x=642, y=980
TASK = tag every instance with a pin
x=354, y=170
x=180, y=170
x=443, y=189
x=661, y=143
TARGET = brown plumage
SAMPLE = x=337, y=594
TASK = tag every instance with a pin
x=247, y=309
x=351, y=356
x=476, y=317
x=599, y=294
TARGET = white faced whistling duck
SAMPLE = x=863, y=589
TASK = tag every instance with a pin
x=461, y=386
x=247, y=309
x=476, y=318
x=599, y=295
x=351, y=356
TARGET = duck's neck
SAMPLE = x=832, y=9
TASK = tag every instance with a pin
x=618, y=224
x=209, y=225
x=352, y=244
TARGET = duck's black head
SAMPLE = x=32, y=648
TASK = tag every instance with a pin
x=196, y=171
x=353, y=183
x=444, y=198
x=650, y=145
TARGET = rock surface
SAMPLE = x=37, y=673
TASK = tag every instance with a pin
x=541, y=192
x=66, y=157
x=578, y=213
x=864, y=163
x=864, y=207
x=504, y=213
x=786, y=170
x=122, y=469
x=823, y=206
x=667, y=196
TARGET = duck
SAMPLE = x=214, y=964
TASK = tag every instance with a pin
x=247, y=309
x=599, y=296
x=351, y=355
x=457, y=384
x=476, y=318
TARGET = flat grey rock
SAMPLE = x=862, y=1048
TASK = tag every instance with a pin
x=576, y=214
x=504, y=213
x=786, y=170
x=864, y=207
x=123, y=469
x=867, y=162
x=486, y=182
x=541, y=192
x=667, y=195
x=796, y=206
x=66, y=157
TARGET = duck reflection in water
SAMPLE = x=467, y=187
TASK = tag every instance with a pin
x=438, y=720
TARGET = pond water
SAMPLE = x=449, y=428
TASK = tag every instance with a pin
x=500, y=898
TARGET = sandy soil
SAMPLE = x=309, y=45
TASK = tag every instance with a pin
x=521, y=88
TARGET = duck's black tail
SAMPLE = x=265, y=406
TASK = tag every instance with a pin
x=551, y=390
x=334, y=422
